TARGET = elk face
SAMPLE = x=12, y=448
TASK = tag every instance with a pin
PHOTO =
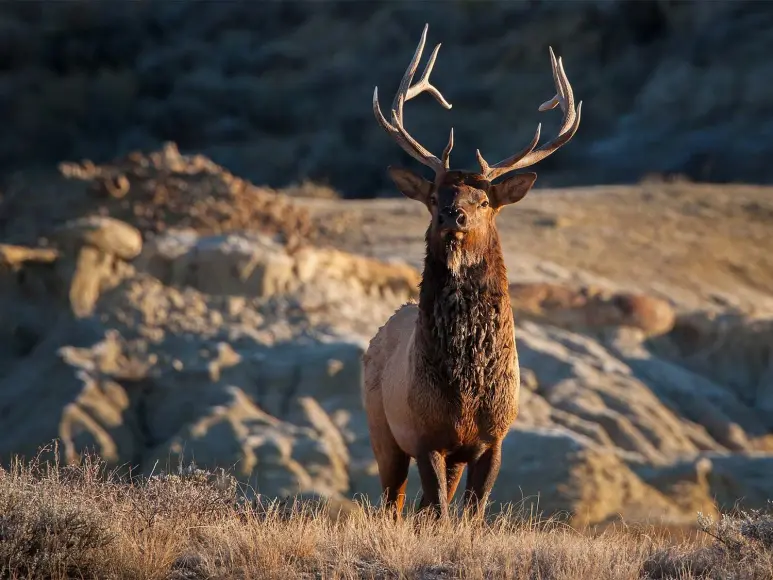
x=462, y=206
x=462, y=203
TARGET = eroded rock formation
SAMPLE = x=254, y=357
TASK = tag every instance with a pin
x=238, y=348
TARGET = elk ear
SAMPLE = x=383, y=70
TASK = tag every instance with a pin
x=512, y=189
x=411, y=185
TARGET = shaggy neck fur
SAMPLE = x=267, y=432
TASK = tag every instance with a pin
x=465, y=327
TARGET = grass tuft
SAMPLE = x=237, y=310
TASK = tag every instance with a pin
x=61, y=522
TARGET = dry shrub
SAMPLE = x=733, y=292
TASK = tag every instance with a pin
x=51, y=525
x=85, y=522
x=742, y=547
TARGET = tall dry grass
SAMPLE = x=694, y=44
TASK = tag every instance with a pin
x=85, y=522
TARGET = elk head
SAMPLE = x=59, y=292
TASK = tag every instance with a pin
x=463, y=204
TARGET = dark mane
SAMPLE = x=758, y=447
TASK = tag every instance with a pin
x=465, y=329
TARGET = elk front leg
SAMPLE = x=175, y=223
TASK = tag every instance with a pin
x=434, y=486
x=481, y=476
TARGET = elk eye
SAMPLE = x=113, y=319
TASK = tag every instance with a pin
x=484, y=203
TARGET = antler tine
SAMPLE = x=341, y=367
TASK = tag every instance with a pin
x=405, y=93
x=554, y=66
x=446, y=157
x=405, y=82
x=424, y=84
x=564, y=98
x=486, y=169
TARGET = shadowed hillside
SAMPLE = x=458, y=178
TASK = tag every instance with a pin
x=279, y=91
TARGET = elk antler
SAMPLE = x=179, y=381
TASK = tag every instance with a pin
x=529, y=156
x=405, y=93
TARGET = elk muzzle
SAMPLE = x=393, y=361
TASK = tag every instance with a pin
x=453, y=220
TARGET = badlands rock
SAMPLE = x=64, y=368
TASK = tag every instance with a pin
x=588, y=308
x=12, y=256
x=259, y=267
x=234, y=352
x=98, y=247
x=278, y=459
x=109, y=236
x=732, y=349
x=217, y=336
x=153, y=192
x=160, y=373
x=550, y=471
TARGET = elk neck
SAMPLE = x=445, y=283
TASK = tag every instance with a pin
x=465, y=326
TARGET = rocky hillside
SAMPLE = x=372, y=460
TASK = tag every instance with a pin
x=159, y=308
x=278, y=91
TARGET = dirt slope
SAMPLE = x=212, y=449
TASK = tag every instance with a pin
x=700, y=246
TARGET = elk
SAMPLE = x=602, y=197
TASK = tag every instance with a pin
x=441, y=377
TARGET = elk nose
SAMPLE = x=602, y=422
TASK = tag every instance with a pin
x=454, y=216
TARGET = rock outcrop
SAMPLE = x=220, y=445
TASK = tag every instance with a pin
x=239, y=348
x=589, y=309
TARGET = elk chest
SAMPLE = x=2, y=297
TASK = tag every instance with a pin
x=466, y=360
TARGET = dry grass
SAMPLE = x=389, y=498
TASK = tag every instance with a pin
x=84, y=522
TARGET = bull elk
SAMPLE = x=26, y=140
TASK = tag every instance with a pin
x=441, y=377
